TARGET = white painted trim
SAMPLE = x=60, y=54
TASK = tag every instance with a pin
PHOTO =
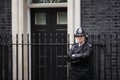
x=74, y=17
x=77, y=14
x=47, y=5
x=14, y=32
x=19, y=27
x=70, y=19
x=20, y=31
x=21, y=24
x=29, y=32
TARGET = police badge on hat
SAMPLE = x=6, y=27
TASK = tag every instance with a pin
x=79, y=31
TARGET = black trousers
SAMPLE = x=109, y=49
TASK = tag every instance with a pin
x=77, y=74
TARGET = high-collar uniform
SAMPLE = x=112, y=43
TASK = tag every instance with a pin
x=80, y=57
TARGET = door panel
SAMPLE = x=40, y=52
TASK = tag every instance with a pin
x=48, y=53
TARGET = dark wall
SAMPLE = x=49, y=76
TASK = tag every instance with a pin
x=101, y=16
x=102, y=19
x=5, y=31
x=5, y=16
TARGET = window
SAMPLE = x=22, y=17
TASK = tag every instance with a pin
x=62, y=18
x=40, y=19
x=49, y=1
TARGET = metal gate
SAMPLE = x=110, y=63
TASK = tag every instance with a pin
x=5, y=57
x=106, y=58
x=49, y=58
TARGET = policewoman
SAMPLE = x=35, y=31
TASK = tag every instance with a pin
x=79, y=57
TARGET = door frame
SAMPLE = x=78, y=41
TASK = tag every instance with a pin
x=21, y=25
x=51, y=13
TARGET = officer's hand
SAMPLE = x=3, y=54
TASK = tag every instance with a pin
x=76, y=55
x=73, y=55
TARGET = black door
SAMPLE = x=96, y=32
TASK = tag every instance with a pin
x=49, y=49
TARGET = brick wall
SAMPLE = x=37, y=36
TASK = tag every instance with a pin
x=101, y=17
x=5, y=29
x=5, y=16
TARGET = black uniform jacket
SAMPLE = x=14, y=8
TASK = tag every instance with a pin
x=80, y=53
x=80, y=59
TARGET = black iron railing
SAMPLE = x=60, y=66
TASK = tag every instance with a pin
x=5, y=57
x=47, y=59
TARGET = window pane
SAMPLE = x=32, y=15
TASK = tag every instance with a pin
x=62, y=18
x=38, y=1
x=61, y=1
x=40, y=19
x=49, y=1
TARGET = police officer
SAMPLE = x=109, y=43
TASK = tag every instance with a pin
x=79, y=57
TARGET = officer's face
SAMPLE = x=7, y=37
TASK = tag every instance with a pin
x=80, y=39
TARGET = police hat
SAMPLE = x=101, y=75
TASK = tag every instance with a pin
x=80, y=32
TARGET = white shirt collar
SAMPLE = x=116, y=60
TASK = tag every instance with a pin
x=81, y=44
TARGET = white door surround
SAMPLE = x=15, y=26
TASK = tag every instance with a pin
x=21, y=25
